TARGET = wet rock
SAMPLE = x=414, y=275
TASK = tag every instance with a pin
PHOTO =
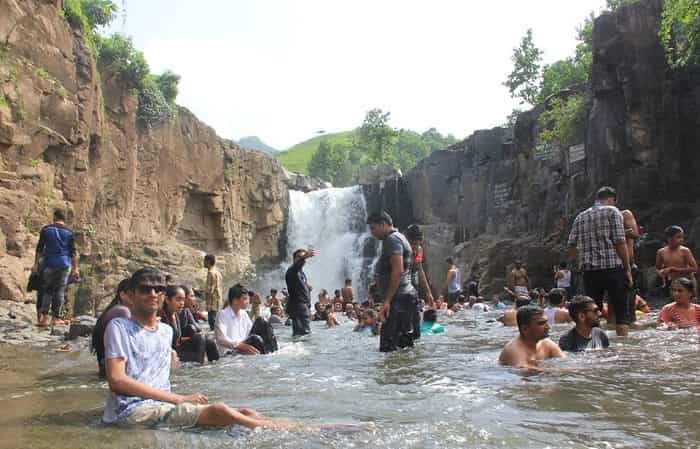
x=82, y=327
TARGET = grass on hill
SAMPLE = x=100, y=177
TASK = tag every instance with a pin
x=297, y=158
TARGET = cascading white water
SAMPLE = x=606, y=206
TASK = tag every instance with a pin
x=332, y=221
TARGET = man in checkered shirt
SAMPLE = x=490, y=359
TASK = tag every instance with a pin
x=598, y=238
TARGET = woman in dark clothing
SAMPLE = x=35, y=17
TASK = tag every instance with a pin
x=188, y=339
x=119, y=307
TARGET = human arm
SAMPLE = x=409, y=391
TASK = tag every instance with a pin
x=424, y=285
x=450, y=276
x=691, y=264
x=396, y=261
x=630, y=225
x=39, y=251
x=660, y=269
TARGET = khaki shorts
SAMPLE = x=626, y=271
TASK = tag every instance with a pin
x=164, y=414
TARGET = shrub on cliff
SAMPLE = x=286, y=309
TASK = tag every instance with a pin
x=154, y=109
x=680, y=32
x=118, y=55
x=564, y=121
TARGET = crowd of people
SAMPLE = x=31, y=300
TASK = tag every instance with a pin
x=155, y=323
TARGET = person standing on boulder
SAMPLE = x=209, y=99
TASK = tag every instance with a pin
x=299, y=302
x=56, y=255
x=598, y=239
x=212, y=292
x=393, y=275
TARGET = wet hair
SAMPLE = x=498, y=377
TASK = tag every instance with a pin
x=556, y=296
x=605, y=192
x=97, y=344
x=348, y=281
x=336, y=292
x=672, y=231
x=684, y=283
x=273, y=291
x=210, y=260
x=526, y=315
x=380, y=218
x=236, y=292
x=450, y=260
x=563, y=265
x=297, y=252
x=414, y=233
x=522, y=301
x=146, y=274
x=59, y=215
x=430, y=315
x=578, y=304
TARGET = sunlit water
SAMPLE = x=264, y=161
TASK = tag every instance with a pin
x=448, y=392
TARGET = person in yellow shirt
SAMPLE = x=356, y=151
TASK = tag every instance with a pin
x=212, y=291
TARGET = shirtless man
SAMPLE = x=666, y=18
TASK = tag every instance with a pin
x=518, y=279
x=631, y=233
x=347, y=292
x=509, y=317
x=533, y=344
x=674, y=260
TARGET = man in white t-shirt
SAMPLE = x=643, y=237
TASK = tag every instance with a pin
x=138, y=357
x=233, y=325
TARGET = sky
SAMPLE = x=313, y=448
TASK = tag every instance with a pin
x=285, y=69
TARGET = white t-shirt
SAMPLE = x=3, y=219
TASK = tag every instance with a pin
x=146, y=354
x=564, y=281
x=230, y=328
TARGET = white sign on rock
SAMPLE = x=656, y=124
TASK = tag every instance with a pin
x=577, y=153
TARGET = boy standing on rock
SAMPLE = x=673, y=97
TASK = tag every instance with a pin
x=212, y=292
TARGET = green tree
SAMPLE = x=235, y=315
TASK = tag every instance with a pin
x=118, y=55
x=168, y=84
x=562, y=75
x=154, y=109
x=564, y=121
x=680, y=32
x=378, y=137
x=99, y=12
x=328, y=161
x=523, y=81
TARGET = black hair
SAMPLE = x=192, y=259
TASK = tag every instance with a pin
x=380, y=218
x=563, y=265
x=450, y=260
x=556, y=296
x=188, y=289
x=348, y=281
x=146, y=274
x=297, y=252
x=97, y=343
x=235, y=292
x=59, y=215
x=210, y=260
x=273, y=291
x=328, y=307
x=526, y=315
x=605, y=192
x=521, y=301
x=672, y=231
x=430, y=315
x=171, y=290
x=336, y=292
x=578, y=304
x=685, y=283
x=414, y=233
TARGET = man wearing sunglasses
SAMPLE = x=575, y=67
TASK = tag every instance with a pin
x=138, y=360
x=586, y=334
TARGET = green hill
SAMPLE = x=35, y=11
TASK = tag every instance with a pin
x=254, y=143
x=297, y=158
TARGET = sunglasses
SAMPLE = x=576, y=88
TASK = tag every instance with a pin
x=146, y=289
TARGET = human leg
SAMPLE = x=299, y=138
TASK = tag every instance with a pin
x=594, y=285
x=211, y=317
x=212, y=350
x=192, y=350
x=616, y=285
x=220, y=415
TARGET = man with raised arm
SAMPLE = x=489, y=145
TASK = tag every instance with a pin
x=299, y=301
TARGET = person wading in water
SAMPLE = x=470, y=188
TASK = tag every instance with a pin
x=299, y=303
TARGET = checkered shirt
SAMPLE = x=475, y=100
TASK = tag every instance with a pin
x=595, y=233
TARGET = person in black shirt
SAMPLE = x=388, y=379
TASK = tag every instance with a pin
x=586, y=334
x=299, y=302
x=393, y=275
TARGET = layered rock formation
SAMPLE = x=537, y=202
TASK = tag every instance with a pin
x=500, y=195
x=69, y=138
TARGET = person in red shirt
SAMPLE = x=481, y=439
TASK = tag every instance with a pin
x=682, y=313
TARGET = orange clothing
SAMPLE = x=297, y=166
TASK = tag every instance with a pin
x=671, y=313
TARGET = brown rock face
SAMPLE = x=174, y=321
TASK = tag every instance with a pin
x=69, y=138
x=499, y=196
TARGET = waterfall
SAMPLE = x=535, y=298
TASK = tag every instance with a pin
x=332, y=222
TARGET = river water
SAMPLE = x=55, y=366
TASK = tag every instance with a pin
x=448, y=392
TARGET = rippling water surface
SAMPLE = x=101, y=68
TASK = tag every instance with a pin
x=448, y=392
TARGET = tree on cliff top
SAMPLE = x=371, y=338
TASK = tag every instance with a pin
x=378, y=137
x=523, y=80
x=680, y=32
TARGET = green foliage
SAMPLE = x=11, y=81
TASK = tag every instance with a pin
x=62, y=92
x=118, y=55
x=680, y=32
x=562, y=75
x=3, y=101
x=154, y=109
x=43, y=74
x=522, y=82
x=564, y=121
x=99, y=13
x=168, y=84
x=298, y=157
x=378, y=137
x=327, y=161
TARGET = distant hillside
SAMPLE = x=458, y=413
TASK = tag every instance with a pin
x=297, y=158
x=254, y=143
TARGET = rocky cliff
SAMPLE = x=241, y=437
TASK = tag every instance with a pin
x=163, y=196
x=500, y=195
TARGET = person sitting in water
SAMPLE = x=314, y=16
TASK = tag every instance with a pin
x=191, y=304
x=138, y=360
x=188, y=341
x=555, y=312
x=350, y=312
x=509, y=317
x=337, y=301
x=533, y=344
x=119, y=307
x=440, y=303
x=276, y=316
x=323, y=297
x=640, y=306
x=331, y=320
x=587, y=333
x=497, y=304
x=477, y=305
x=272, y=300
x=368, y=323
x=429, y=326
x=320, y=314
x=234, y=330
x=682, y=313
